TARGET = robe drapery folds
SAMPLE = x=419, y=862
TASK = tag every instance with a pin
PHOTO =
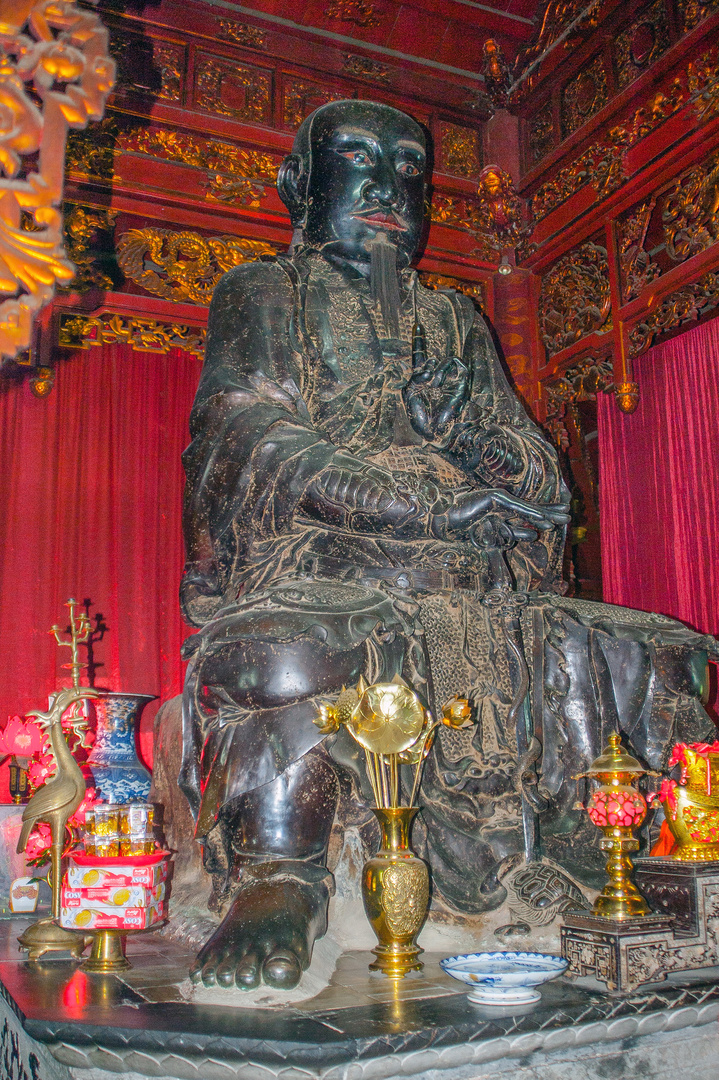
x=297, y=378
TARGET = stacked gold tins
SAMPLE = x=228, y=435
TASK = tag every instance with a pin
x=396, y=732
x=618, y=809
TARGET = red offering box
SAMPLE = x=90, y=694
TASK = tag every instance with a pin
x=119, y=896
x=85, y=871
x=108, y=917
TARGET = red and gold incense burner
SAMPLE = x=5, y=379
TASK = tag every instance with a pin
x=691, y=807
x=618, y=809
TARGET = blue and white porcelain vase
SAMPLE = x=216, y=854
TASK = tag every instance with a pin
x=118, y=774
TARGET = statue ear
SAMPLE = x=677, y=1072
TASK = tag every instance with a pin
x=292, y=187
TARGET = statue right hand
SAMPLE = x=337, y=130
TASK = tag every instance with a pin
x=199, y=579
x=469, y=507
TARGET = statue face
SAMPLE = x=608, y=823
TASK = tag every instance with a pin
x=366, y=176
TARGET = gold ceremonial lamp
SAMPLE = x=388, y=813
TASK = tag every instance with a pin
x=59, y=798
x=618, y=809
x=390, y=723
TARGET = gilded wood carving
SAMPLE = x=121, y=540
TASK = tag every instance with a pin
x=575, y=298
x=183, y=266
x=144, y=335
x=230, y=89
x=55, y=72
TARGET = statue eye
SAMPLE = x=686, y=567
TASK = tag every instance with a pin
x=408, y=168
x=357, y=157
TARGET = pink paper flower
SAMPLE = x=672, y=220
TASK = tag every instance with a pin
x=21, y=737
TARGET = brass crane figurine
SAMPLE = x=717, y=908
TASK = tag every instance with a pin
x=57, y=800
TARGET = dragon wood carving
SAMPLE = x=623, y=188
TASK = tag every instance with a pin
x=183, y=266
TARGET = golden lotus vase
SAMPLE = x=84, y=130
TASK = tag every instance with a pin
x=395, y=891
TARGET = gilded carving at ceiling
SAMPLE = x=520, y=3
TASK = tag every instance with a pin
x=575, y=298
x=541, y=132
x=233, y=174
x=686, y=304
x=144, y=335
x=227, y=88
x=361, y=67
x=242, y=34
x=636, y=267
x=183, y=266
x=460, y=151
x=443, y=281
x=690, y=215
x=558, y=16
x=584, y=96
x=636, y=48
x=55, y=74
x=89, y=233
x=602, y=164
x=669, y=227
x=302, y=98
x=359, y=12
x=148, y=65
x=695, y=11
x=582, y=382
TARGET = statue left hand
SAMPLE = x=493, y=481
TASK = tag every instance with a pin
x=432, y=418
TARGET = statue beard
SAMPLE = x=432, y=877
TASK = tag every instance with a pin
x=384, y=282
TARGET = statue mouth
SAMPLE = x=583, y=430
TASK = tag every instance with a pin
x=382, y=220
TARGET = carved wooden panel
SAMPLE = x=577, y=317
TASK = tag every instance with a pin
x=637, y=47
x=229, y=89
x=575, y=298
x=584, y=96
x=460, y=151
x=148, y=65
x=300, y=98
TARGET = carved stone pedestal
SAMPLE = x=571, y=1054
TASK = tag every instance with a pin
x=683, y=936
x=686, y=891
x=621, y=954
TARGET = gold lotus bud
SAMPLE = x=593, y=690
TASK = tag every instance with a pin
x=345, y=704
x=327, y=720
x=456, y=713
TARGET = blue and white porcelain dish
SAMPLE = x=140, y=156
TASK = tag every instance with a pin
x=504, y=978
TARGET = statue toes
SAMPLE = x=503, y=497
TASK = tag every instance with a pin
x=247, y=972
x=196, y=972
x=226, y=972
x=282, y=969
x=209, y=972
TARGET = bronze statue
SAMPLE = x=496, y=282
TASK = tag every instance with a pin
x=366, y=496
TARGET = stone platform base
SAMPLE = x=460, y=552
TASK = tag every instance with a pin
x=59, y=1022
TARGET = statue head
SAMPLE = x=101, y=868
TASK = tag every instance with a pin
x=356, y=173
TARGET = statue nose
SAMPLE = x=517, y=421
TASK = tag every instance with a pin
x=382, y=188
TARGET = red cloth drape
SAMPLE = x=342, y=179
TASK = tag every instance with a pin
x=90, y=489
x=659, y=484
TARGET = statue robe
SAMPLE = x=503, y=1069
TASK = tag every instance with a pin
x=299, y=376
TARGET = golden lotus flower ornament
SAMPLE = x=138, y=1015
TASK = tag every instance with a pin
x=393, y=727
x=387, y=719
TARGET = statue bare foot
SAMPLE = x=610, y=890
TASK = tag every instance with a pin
x=267, y=935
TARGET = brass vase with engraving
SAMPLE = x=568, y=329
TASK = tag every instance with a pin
x=395, y=890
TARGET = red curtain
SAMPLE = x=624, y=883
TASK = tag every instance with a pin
x=659, y=484
x=90, y=490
